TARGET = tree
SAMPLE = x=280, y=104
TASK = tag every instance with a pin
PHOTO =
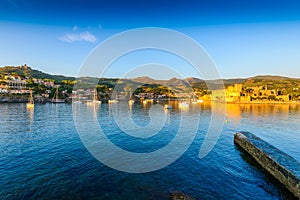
x=272, y=97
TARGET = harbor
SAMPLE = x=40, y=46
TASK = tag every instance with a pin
x=35, y=143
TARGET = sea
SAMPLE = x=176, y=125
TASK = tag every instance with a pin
x=47, y=152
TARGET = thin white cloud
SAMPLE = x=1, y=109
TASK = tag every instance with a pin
x=76, y=37
x=75, y=28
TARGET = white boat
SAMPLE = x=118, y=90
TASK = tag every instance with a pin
x=95, y=100
x=145, y=101
x=131, y=102
x=76, y=99
x=58, y=101
x=184, y=104
x=55, y=98
x=200, y=101
x=168, y=106
x=30, y=103
x=113, y=101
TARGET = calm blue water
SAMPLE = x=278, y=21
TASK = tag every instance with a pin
x=42, y=156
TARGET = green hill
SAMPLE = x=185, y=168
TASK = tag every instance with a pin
x=270, y=77
x=25, y=71
x=272, y=82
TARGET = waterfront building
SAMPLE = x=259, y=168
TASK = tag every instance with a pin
x=238, y=94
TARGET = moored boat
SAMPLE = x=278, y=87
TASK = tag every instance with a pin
x=113, y=101
x=30, y=103
x=95, y=100
x=131, y=102
x=168, y=106
x=55, y=98
x=184, y=105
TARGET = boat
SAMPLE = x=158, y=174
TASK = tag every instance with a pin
x=95, y=100
x=146, y=101
x=113, y=101
x=168, y=106
x=76, y=102
x=55, y=98
x=131, y=102
x=30, y=103
x=200, y=101
x=184, y=105
x=76, y=99
x=193, y=100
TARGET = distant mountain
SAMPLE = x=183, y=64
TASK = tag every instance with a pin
x=145, y=80
x=177, y=82
x=193, y=80
x=233, y=81
x=171, y=82
x=180, y=84
x=270, y=77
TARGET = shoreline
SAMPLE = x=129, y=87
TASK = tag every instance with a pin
x=272, y=102
x=255, y=102
x=25, y=100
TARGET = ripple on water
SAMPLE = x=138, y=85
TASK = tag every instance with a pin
x=42, y=156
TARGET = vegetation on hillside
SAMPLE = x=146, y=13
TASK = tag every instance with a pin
x=146, y=84
x=28, y=72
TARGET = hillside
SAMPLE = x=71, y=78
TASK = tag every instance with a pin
x=272, y=82
x=270, y=77
x=170, y=82
x=145, y=80
x=25, y=71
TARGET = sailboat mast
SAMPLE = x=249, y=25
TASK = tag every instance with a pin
x=56, y=93
x=95, y=95
x=169, y=97
x=31, y=97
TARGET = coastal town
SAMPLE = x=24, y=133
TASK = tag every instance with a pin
x=16, y=84
x=150, y=99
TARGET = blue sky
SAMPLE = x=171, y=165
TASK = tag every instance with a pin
x=243, y=38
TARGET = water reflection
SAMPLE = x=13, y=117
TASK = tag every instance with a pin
x=93, y=108
x=234, y=111
x=43, y=155
x=30, y=111
x=130, y=107
x=233, y=114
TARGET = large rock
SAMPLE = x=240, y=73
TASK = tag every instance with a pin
x=279, y=164
x=176, y=195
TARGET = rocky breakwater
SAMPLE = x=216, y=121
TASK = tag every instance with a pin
x=279, y=164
